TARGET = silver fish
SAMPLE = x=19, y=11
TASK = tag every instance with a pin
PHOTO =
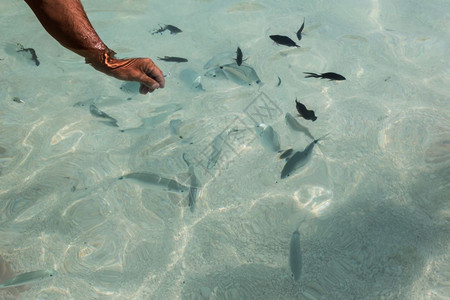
x=96, y=112
x=153, y=121
x=194, y=188
x=27, y=277
x=220, y=59
x=243, y=74
x=295, y=256
x=298, y=160
x=216, y=72
x=130, y=87
x=156, y=180
x=192, y=79
x=217, y=145
x=292, y=123
x=268, y=137
x=174, y=126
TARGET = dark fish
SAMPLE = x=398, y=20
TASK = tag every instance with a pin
x=194, y=186
x=286, y=153
x=31, y=51
x=173, y=59
x=171, y=28
x=328, y=75
x=304, y=112
x=279, y=81
x=283, y=40
x=239, y=56
x=299, y=32
x=299, y=159
x=96, y=112
x=295, y=256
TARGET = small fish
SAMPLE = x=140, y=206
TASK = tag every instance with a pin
x=299, y=159
x=283, y=40
x=174, y=127
x=243, y=74
x=292, y=123
x=156, y=180
x=304, y=112
x=171, y=28
x=299, y=32
x=270, y=140
x=328, y=75
x=96, y=112
x=279, y=81
x=31, y=51
x=286, y=153
x=295, y=256
x=153, y=121
x=192, y=79
x=221, y=59
x=18, y=100
x=239, y=56
x=130, y=87
x=173, y=59
x=217, y=145
x=194, y=186
x=212, y=73
x=27, y=277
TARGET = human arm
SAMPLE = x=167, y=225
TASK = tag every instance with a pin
x=67, y=22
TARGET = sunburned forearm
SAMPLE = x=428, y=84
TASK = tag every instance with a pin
x=67, y=22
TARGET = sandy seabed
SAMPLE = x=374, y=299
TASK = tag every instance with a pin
x=371, y=205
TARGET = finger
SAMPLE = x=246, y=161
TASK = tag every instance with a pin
x=154, y=72
x=159, y=76
x=143, y=89
x=150, y=83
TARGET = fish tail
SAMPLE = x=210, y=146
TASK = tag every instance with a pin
x=185, y=159
x=321, y=138
x=311, y=75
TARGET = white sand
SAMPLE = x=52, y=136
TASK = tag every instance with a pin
x=372, y=205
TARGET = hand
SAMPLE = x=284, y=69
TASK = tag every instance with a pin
x=142, y=70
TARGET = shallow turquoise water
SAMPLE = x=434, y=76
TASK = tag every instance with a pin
x=371, y=206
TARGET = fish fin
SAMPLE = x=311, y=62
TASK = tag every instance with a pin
x=185, y=159
x=311, y=75
x=323, y=137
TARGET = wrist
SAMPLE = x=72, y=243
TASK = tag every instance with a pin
x=104, y=61
x=100, y=59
